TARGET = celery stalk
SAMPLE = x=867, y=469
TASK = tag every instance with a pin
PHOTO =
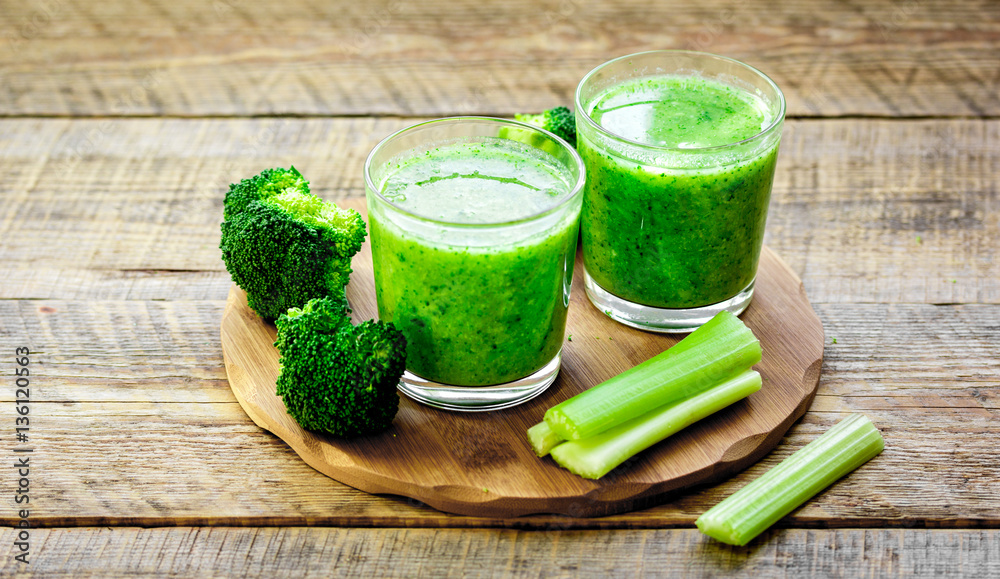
x=542, y=438
x=595, y=456
x=718, y=350
x=751, y=510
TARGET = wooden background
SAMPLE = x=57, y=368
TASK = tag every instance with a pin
x=121, y=123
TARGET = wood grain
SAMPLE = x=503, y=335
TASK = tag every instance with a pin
x=398, y=57
x=925, y=374
x=109, y=268
x=310, y=552
x=168, y=463
x=137, y=425
x=169, y=351
x=862, y=211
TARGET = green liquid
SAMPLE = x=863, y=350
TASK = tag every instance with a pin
x=491, y=310
x=676, y=238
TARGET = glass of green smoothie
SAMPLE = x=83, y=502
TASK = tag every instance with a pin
x=680, y=149
x=474, y=224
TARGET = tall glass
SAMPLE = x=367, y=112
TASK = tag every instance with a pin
x=672, y=232
x=479, y=283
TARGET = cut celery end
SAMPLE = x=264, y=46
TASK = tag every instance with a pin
x=595, y=456
x=542, y=438
x=720, y=349
x=751, y=510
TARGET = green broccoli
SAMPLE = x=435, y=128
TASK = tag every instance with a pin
x=284, y=245
x=558, y=120
x=337, y=377
x=270, y=183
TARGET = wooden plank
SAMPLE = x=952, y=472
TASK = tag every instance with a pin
x=312, y=552
x=863, y=211
x=134, y=423
x=164, y=464
x=69, y=57
x=129, y=352
x=169, y=351
x=889, y=211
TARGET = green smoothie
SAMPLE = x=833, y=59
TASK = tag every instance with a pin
x=485, y=303
x=681, y=226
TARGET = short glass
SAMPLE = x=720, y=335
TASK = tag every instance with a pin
x=672, y=234
x=483, y=305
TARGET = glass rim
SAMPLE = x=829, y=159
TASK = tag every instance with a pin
x=575, y=189
x=778, y=118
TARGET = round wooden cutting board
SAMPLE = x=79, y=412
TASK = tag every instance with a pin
x=480, y=463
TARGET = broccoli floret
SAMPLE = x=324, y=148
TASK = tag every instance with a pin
x=558, y=120
x=284, y=245
x=270, y=183
x=337, y=377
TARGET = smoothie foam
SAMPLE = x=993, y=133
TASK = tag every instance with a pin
x=490, y=308
x=677, y=221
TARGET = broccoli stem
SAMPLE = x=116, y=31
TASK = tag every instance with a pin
x=719, y=349
x=595, y=456
x=542, y=438
x=755, y=507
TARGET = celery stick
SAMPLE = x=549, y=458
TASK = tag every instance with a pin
x=593, y=457
x=719, y=349
x=751, y=510
x=542, y=438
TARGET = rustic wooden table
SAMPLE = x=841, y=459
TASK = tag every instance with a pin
x=121, y=123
